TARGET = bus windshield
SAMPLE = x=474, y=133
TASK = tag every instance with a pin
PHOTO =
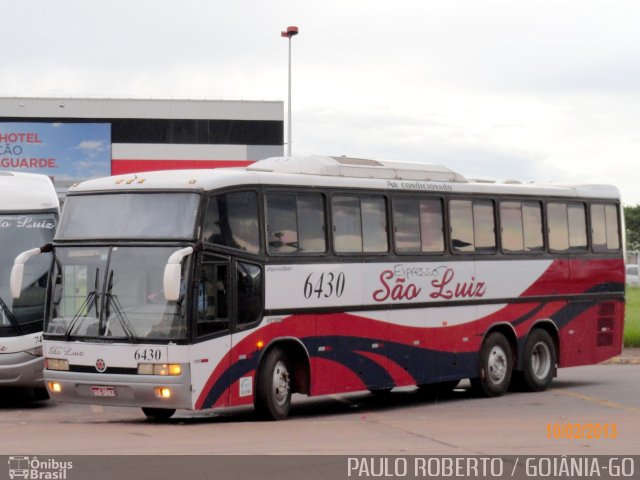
x=113, y=293
x=129, y=216
x=20, y=232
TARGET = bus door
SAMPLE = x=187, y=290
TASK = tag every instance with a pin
x=246, y=342
x=210, y=360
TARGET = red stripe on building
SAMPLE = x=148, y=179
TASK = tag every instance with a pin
x=120, y=166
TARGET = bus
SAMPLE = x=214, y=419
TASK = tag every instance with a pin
x=28, y=217
x=324, y=275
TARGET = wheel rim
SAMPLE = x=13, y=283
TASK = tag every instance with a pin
x=280, y=383
x=540, y=360
x=497, y=364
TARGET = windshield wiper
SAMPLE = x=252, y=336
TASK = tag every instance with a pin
x=90, y=301
x=10, y=316
x=112, y=300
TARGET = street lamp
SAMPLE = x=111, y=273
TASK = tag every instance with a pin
x=288, y=33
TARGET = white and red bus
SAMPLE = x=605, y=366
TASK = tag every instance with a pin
x=28, y=217
x=320, y=275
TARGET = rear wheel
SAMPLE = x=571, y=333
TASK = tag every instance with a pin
x=496, y=365
x=158, y=414
x=273, y=392
x=539, y=361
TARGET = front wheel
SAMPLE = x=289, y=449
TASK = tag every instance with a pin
x=496, y=365
x=539, y=361
x=158, y=414
x=273, y=392
x=40, y=393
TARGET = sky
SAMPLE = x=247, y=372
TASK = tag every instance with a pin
x=542, y=91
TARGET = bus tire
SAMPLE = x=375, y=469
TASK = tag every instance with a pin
x=40, y=394
x=158, y=414
x=539, y=361
x=273, y=392
x=496, y=365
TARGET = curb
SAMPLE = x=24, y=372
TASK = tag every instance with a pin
x=629, y=356
x=622, y=360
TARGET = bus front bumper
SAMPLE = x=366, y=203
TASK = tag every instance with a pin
x=120, y=390
x=21, y=370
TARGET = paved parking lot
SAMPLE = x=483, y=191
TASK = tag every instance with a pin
x=401, y=423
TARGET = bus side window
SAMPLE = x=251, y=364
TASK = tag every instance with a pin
x=231, y=220
x=211, y=299
x=418, y=225
x=604, y=227
x=521, y=227
x=359, y=224
x=567, y=227
x=472, y=226
x=295, y=223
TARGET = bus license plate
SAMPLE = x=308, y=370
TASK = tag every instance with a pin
x=103, y=391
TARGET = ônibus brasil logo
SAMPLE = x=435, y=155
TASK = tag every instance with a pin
x=38, y=469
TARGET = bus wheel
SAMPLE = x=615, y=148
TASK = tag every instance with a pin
x=273, y=395
x=40, y=393
x=539, y=361
x=158, y=414
x=496, y=364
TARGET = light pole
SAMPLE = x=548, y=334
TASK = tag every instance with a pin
x=288, y=33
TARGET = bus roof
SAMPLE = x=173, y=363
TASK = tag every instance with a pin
x=26, y=191
x=316, y=171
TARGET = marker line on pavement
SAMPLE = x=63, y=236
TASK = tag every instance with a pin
x=605, y=403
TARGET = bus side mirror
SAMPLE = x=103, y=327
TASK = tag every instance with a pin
x=173, y=273
x=17, y=271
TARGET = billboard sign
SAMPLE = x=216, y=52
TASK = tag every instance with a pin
x=64, y=151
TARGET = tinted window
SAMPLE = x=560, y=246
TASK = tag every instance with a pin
x=17, y=234
x=484, y=226
x=532, y=224
x=374, y=224
x=461, y=215
x=249, y=293
x=418, y=225
x=211, y=299
x=567, y=227
x=577, y=226
x=521, y=227
x=295, y=223
x=231, y=220
x=604, y=227
x=359, y=224
x=472, y=226
x=406, y=221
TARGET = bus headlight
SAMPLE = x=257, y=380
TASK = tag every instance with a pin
x=56, y=364
x=159, y=369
